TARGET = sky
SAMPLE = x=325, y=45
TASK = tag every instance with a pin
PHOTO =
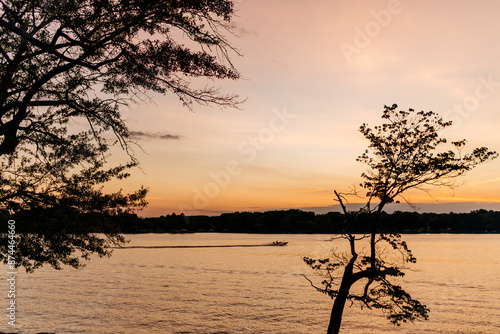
x=312, y=73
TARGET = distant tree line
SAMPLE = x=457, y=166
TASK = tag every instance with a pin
x=283, y=221
x=297, y=221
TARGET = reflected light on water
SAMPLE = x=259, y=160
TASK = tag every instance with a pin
x=252, y=289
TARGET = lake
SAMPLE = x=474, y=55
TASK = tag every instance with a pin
x=251, y=289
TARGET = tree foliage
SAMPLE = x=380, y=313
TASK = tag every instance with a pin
x=403, y=154
x=66, y=69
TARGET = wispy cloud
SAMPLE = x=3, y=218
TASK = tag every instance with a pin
x=151, y=135
x=241, y=30
x=486, y=181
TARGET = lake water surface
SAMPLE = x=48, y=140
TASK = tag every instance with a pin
x=251, y=289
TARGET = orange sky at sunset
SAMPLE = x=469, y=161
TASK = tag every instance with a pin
x=312, y=73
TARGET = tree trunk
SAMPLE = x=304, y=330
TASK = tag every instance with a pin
x=337, y=311
x=339, y=303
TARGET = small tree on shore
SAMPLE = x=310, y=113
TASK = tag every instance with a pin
x=402, y=155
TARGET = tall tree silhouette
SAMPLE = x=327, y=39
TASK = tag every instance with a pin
x=67, y=62
x=402, y=155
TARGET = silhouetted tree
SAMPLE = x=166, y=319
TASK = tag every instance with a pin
x=64, y=63
x=401, y=156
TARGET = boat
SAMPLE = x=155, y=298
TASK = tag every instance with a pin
x=280, y=243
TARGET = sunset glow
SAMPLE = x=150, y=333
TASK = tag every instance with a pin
x=312, y=74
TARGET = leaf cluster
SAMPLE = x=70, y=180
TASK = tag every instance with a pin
x=60, y=237
x=402, y=154
x=375, y=289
